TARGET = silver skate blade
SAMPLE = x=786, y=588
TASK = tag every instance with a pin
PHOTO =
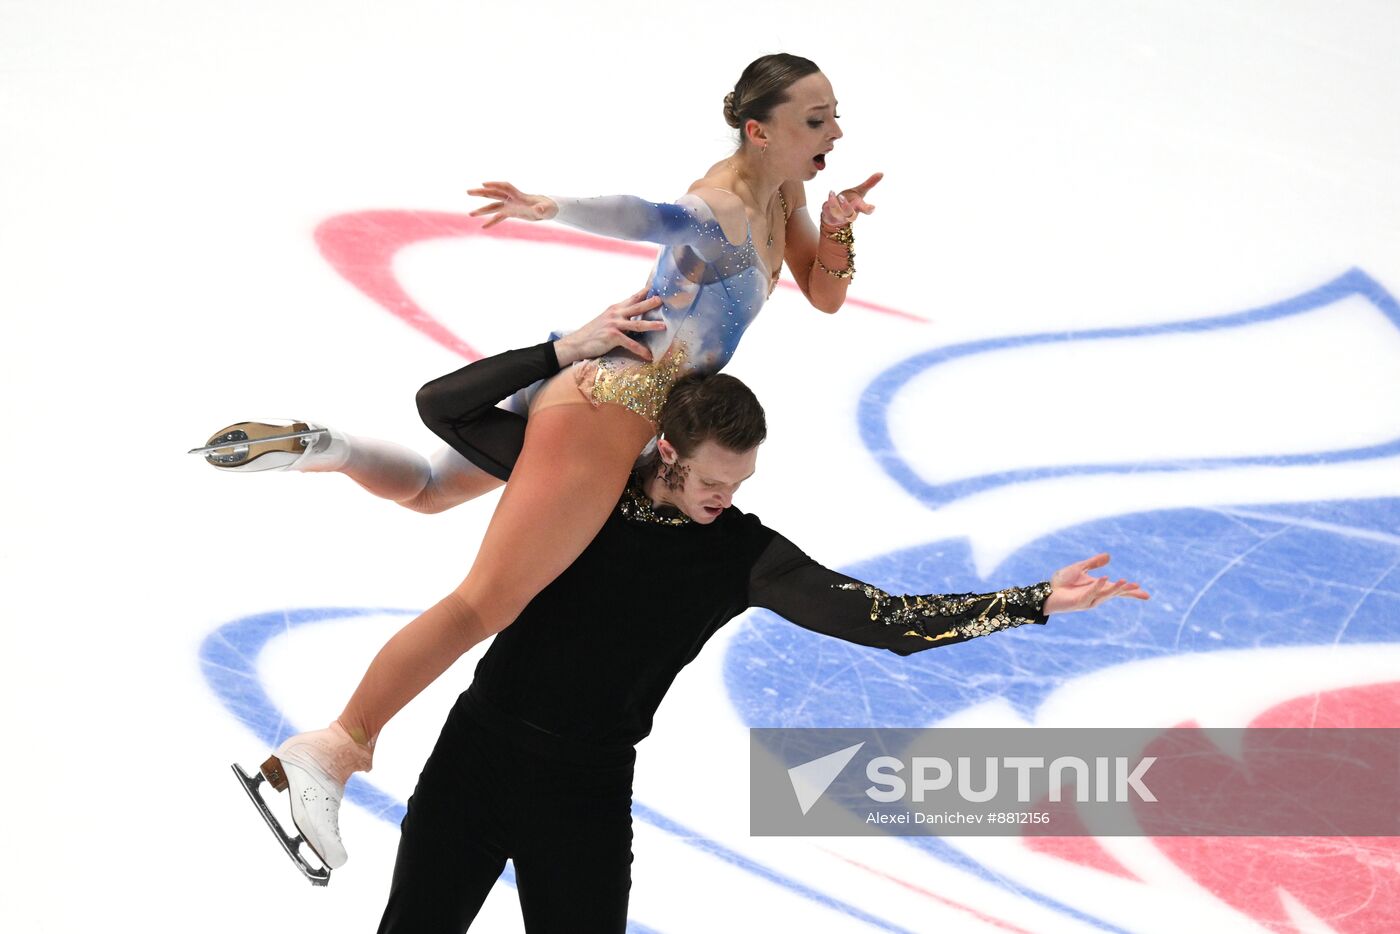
x=250, y=783
x=309, y=433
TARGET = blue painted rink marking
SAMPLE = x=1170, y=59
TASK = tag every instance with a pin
x=228, y=658
x=1317, y=573
x=1261, y=577
x=1281, y=543
x=1291, y=574
x=873, y=409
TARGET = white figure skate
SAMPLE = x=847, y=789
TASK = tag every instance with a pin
x=254, y=446
x=313, y=768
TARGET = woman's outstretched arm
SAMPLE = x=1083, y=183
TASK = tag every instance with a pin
x=704, y=222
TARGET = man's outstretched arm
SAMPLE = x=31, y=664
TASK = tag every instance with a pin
x=788, y=582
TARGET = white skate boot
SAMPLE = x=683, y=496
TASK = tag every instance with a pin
x=283, y=445
x=313, y=767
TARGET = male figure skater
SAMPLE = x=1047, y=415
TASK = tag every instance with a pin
x=535, y=760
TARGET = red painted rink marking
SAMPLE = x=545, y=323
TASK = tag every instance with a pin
x=1082, y=850
x=361, y=247
x=1350, y=883
x=968, y=909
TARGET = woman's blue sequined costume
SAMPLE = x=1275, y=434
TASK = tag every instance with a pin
x=710, y=288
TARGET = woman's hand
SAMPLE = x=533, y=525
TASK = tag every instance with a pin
x=840, y=209
x=1073, y=589
x=512, y=202
x=606, y=331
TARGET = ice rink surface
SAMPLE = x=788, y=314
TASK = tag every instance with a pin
x=1131, y=287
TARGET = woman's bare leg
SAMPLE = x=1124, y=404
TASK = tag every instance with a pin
x=570, y=474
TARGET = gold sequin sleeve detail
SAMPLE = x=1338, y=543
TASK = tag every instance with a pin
x=785, y=580
x=941, y=617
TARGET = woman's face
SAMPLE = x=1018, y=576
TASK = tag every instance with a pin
x=803, y=129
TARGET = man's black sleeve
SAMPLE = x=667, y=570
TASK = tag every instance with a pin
x=789, y=583
x=460, y=408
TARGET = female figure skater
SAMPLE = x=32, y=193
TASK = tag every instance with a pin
x=722, y=244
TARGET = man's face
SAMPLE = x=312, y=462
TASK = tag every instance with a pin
x=709, y=478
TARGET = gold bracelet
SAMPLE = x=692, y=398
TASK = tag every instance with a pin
x=847, y=273
x=842, y=235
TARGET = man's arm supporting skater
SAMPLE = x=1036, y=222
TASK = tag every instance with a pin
x=460, y=408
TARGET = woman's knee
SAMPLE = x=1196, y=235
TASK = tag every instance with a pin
x=454, y=480
x=428, y=501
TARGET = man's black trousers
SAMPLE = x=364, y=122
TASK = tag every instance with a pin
x=497, y=788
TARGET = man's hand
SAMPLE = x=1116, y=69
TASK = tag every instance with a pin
x=608, y=330
x=1073, y=589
